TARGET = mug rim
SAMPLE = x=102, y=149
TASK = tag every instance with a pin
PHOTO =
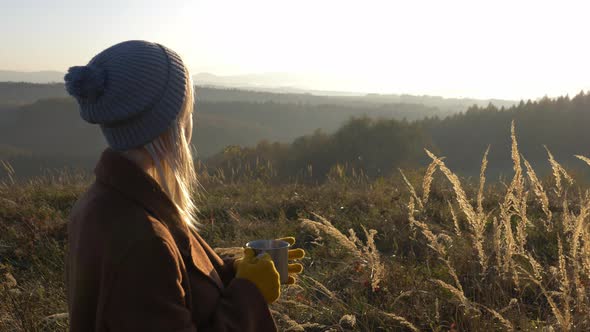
x=284, y=245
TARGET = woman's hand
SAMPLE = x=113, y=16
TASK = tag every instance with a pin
x=260, y=271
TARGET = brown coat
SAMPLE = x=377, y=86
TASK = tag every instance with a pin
x=132, y=266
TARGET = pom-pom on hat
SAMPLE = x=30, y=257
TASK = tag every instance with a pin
x=134, y=90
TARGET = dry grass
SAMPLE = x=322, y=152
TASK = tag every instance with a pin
x=564, y=291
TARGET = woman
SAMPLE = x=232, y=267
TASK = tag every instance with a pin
x=136, y=261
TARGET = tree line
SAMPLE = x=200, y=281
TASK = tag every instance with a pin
x=378, y=147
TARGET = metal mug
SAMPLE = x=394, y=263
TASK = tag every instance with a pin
x=279, y=253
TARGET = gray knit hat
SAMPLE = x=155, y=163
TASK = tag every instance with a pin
x=133, y=90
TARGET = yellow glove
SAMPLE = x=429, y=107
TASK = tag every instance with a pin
x=262, y=272
x=294, y=268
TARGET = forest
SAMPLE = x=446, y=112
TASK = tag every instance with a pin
x=378, y=147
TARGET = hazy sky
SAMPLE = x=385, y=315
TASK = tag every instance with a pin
x=504, y=49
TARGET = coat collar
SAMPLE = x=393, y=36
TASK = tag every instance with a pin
x=123, y=175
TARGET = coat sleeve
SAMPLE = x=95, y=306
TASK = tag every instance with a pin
x=146, y=294
x=226, y=271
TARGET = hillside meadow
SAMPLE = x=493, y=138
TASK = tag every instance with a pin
x=420, y=250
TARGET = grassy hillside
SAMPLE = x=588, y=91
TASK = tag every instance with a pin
x=420, y=250
x=43, y=120
x=53, y=126
x=282, y=130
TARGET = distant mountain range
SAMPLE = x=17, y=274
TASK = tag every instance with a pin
x=281, y=86
x=268, y=82
x=247, y=80
x=271, y=82
x=44, y=76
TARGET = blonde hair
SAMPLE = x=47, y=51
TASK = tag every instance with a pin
x=173, y=159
